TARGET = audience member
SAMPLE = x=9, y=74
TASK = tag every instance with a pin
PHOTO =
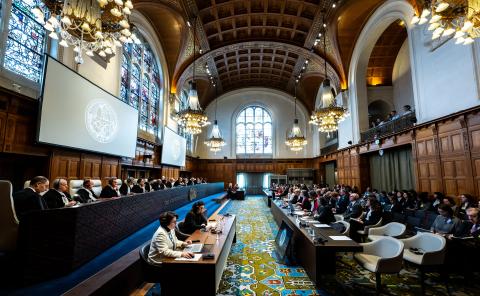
x=466, y=202
x=354, y=209
x=324, y=212
x=446, y=223
x=407, y=109
x=370, y=217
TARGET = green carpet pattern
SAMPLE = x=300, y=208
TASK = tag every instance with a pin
x=251, y=268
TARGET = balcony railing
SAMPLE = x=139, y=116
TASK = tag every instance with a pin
x=389, y=127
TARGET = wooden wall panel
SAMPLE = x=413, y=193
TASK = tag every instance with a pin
x=3, y=127
x=473, y=127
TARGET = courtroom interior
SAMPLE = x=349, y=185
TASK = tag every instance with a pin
x=239, y=147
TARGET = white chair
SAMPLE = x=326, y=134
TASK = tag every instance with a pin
x=393, y=229
x=118, y=182
x=26, y=184
x=365, y=230
x=338, y=217
x=74, y=185
x=8, y=218
x=347, y=227
x=381, y=256
x=97, y=187
x=425, y=250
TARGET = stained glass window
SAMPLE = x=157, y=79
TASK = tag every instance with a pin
x=254, y=131
x=181, y=130
x=25, y=42
x=141, y=84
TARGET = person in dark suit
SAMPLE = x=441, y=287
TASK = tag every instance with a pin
x=29, y=199
x=371, y=217
x=126, y=187
x=86, y=194
x=155, y=185
x=195, y=219
x=354, y=209
x=308, y=200
x=342, y=202
x=139, y=187
x=110, y=190
x=324, y=212
x=231, y=193
x=148, y=185
x=58, y=196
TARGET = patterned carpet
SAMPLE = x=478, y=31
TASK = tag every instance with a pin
x=252, y=270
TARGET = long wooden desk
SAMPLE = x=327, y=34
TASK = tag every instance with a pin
x=54, y=242
x=201, y=277
x=318, y=259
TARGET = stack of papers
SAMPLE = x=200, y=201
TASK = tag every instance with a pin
x=319, y=225
x=299, y=213
x=195, y=258
x=340, y=237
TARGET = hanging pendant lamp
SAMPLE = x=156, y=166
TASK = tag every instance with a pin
x=295, y=139
x=215, y=142
x=193, y=118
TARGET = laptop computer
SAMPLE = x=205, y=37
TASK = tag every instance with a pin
x=194, y=248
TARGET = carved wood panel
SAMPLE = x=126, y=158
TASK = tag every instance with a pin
x=3, y=127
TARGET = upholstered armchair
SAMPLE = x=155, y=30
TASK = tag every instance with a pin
x=381, y=256
x=392, y=229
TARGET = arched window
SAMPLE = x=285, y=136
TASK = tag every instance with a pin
x=254, y=131
x=25, y=41
x=141, y=84
x=181, y=130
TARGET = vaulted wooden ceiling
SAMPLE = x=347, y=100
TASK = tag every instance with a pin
x=265, y=43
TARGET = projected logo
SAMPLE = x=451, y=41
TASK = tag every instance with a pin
x=101, y=121
x=176, y=149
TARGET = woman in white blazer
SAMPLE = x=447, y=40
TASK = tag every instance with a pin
x=164, y=242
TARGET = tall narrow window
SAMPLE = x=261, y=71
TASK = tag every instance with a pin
x=181, y=129
x=25, y=42
x=141, y=84
x=254, y=131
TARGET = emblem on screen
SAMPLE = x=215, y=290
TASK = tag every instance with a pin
x=101, y=121
x=176, y=149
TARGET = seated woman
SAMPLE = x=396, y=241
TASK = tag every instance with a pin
x=371, y=216
x=446, y=223
x=164, y=243
x=195, y=219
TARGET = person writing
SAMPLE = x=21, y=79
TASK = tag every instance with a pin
x=195, y=219
x=165, y=243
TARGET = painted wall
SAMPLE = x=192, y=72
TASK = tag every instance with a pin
x=402, y=79
x=279, y=104
x=445, y=79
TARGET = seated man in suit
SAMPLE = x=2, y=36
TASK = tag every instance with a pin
x=126, y=187
x=139, y=187
x=110, y=190
x=86, y=194
x=58, y=196
x=165, y=243
x=354, y=208
x=195, y=219
x=342, y=202
x=29, y=199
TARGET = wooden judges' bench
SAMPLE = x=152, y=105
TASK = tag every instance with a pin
x=200, y=277
x=318, y=259
x=55, y=242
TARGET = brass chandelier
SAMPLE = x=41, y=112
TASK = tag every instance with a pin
x=88, y=25
x=460, y=18
x=295, y=139
x=215, y=142
x=193, y=118
x=328, y=114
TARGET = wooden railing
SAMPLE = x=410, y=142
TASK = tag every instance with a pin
x=389, y=127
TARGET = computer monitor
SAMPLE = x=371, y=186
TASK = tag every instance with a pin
x=282, y=241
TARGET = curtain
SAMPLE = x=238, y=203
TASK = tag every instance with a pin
x=393, y=170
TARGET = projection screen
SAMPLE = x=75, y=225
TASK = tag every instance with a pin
x=76, y=113
x=173, y=148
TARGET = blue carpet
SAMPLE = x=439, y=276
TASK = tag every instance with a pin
x=60, y=285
